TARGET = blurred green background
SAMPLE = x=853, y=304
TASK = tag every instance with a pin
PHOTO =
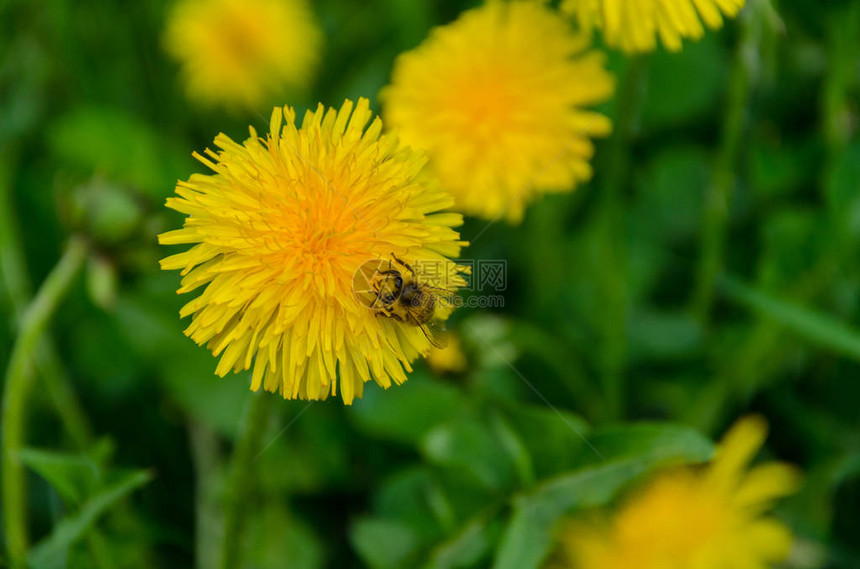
x=448, y=470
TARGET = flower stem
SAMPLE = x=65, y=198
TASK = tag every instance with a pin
x=19, y=379
x=12, y=265
x=613, y=353
x=208, y=466
x=239, y=491
x=16, y=281
x=718, y=198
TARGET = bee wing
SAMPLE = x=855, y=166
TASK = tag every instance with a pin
x=434, y=330
x=446, y=302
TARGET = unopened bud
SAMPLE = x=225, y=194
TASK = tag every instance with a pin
x=106, y=212
x=101, y=282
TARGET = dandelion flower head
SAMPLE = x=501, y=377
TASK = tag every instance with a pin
x=712, y=518
x=241, y=52
x=278, y=231
x=497, y=99
x=634, y=25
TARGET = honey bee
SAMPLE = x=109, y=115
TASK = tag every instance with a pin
x=401, y=296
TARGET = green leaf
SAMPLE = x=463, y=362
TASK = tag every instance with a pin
x=553, y=438
x=73, y=476
x=383, y=544
x=469, y=446
x=408, y=497
x=528, y=537
x=469, y=545
x=628, y=452
x=52, y=550
x=820, y=329
x=511, y=442
x=653, y=442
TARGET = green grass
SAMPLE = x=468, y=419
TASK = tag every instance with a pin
x=615, y=313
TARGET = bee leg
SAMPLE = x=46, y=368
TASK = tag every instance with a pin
x=388, y=314
x=400, y=262
x=390, y=271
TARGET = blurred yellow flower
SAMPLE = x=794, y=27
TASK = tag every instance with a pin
x=279, y=231
x=633, y=25
x=709, y=518
x=496, y=99
x=449, y=359
x=241, y=52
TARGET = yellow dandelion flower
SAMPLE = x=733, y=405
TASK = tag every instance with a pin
x=709, y=518
x=496, y=98
x=279, y=232
x=633, y=25
x=241, y=52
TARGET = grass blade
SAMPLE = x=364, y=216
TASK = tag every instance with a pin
x=53, y=549
x=820, y=329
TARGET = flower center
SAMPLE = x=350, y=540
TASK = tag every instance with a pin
x=239, y=43
x=485, y=102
